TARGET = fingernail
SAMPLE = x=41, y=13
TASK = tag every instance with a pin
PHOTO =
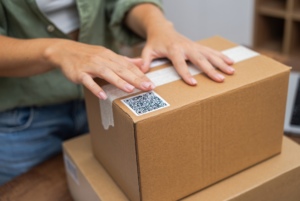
x=102, y=95
x=230, y=60
x=128, y=87
x=220, y=77
x=231, y=70
x=147, y=85
x=193, y=81
x=152, y=86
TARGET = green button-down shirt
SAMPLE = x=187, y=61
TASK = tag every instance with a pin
x=100, y=24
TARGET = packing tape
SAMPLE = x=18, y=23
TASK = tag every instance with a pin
x=161, y=77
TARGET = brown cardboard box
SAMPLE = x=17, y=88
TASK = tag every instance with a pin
x=276, y=179
x=206, y=134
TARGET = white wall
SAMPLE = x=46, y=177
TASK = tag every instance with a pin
x=198, y=19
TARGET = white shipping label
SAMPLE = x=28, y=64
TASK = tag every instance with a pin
x=71, y=169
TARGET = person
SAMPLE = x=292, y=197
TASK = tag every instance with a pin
x=50, y=48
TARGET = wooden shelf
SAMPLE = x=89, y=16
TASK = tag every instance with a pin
x=275, y=11
x=278, y=5
x=296, y=11
x=269, y=33
x=295, y=37
x=277, y=26
x=296, y=6
x=274, y=45
x=296, y=16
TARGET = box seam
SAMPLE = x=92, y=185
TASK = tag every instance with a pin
x=137, y=163
x=136, y=150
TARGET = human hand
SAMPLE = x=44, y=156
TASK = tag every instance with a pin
x=164, y=41
x=81, y=63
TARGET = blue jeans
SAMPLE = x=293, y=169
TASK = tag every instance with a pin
x=30, y=135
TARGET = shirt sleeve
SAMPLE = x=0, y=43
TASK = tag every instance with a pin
x=3, y=25
x=116, y=12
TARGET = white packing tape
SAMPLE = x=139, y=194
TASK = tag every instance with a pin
x=161, y=77
x=239, y=53
x=158, y=62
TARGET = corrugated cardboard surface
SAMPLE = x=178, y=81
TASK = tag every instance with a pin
x=208, y=132
x=276, y=179
x=116, y=147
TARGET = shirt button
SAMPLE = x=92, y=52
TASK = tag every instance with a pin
x=50, y=28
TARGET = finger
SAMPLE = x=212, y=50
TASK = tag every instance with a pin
x=147, y=59
x=130, y=73
x=90, y=84
x=135, y=76
x=201, y=62
x=136, y=61
x=121, y=66
x=127, y=77
x=226, y=59
x=114, y=61
x=181, y=67
x=220, y=64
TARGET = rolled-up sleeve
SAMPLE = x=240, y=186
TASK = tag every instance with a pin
x=3, y=24
x=117, y=10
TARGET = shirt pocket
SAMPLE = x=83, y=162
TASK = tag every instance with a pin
x=16, y=120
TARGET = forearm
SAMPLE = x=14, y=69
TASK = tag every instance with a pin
x=21, y=58
x=146, y=19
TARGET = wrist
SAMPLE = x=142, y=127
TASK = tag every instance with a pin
x=163, y=26
x=147, y=19
x=51, y=52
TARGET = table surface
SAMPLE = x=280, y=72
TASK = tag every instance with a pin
x=45, y=182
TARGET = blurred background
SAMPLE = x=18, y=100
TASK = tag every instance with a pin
x=196, y=19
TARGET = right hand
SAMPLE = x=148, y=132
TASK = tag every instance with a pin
x=82, y=62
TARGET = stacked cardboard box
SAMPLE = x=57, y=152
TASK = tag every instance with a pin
x=276, y=179
x=170, y=143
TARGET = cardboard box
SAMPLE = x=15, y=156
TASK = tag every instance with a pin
x=200, y=135
x=276, y=179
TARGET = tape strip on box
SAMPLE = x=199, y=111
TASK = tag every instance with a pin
x=161, y=77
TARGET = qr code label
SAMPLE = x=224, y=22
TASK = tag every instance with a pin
x=145, y=103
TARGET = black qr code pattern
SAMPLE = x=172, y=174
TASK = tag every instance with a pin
x=144, y=103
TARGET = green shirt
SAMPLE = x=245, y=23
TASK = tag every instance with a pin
x=100, y=24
